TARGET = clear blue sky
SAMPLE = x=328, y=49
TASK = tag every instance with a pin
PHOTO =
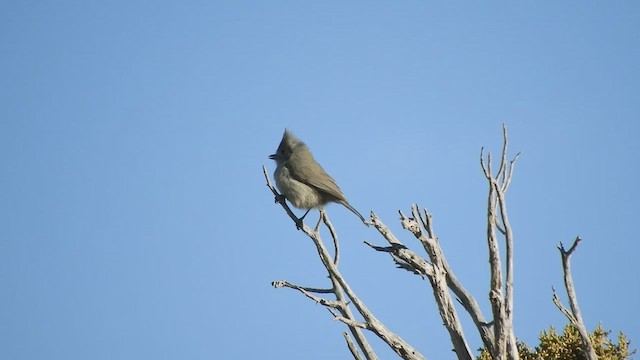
x=135, y=222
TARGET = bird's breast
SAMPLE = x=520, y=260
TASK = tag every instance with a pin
x=298, y=193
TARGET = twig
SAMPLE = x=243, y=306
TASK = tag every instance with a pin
x=352, y=347
x=485, y=170
x=563, y=309
x=406, y=259
x=334, y=236
x=350, y=322
x=507, y=181
x=284, y=283
x=500, y=228
x=503, y=158
x=307, y=292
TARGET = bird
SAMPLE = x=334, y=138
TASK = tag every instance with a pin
x=302, y=181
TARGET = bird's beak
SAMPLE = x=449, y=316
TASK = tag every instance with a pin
x=272, y=156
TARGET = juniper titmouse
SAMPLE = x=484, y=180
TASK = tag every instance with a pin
x=302, y=180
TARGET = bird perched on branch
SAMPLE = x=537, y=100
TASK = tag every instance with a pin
x=303, y=181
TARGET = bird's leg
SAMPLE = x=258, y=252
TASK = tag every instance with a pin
x=299, y=223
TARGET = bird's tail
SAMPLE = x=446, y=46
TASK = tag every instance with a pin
x=348, y=206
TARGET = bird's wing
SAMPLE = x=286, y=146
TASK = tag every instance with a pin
x=304, y=168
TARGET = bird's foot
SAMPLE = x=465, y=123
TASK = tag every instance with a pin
x=299, y=223
x=280, y=199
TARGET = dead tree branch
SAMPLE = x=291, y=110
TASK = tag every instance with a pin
x=466, y=299
x=575, y=317
x=340, y=287
x=500, y=295
x=352, y=347
x=438, y=281
x=308, y=293
x=497, y=335
x=409, y=260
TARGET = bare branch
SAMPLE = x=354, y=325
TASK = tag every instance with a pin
x=571, y=249
x=307, y=292
x=576, y=317
x=500, y=228
x=486, y=170
x=344, y=309
x=505, y=345
x=470, y=305
x=402, y=256
x=350, y=322
x=402, y=348
x=467, y=300
x=489, y=167
x=438, y=280
x=503, y=158
x=332, y=311
x=284, y=283
x=334, y=236
x=405, y=259
x=384, y=230
x=563, y=309
x=507, y=181
x=495, y=294
x=352, y=347
x=508, y=238
x=497, y=335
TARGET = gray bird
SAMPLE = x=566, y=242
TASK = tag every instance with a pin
x=302, y=180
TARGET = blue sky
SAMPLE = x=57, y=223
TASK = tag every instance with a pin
x=135, y=218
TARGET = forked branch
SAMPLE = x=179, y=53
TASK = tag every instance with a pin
x=575, y=317
x=340, y=288
x=500, y=295
x=497, y=334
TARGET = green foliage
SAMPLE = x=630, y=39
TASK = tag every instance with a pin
x=567, y=346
